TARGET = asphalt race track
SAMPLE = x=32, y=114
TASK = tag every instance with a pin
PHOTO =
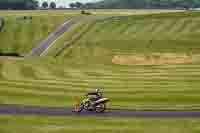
x=40, y=111
x=44, y=45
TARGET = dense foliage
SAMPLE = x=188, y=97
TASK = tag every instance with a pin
x=18, y=4
x=52, y=5
x=45, y=4
x=144, y=4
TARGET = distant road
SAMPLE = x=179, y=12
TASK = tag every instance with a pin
x=46, y=44
x=23, y=111
x=1, y=23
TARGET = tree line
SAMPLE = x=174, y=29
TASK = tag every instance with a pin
x=105, y=4
x=45, y=4
x=18, y=4
x=24, y=4
x=139, y=4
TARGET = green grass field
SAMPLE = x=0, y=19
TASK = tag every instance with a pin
x=11, y=124
x=22, y=35
x=87, y=64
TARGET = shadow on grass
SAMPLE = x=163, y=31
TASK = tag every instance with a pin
x=11, y=54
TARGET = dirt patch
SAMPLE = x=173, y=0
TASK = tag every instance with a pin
x=153, y=59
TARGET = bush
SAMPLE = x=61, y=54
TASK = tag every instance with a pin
x=24, y=18
x=85, y=13
x=10, y=54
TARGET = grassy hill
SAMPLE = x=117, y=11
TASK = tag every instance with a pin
x=148, y=86
x=38, y=124
x=88, y=64
x=21, y=35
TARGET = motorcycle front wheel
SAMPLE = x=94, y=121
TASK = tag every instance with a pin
x=100, y=108
x=79, y=109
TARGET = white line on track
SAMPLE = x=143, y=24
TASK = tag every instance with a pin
x=56, y=39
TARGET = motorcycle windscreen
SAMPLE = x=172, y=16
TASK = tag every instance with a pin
x=102, y=100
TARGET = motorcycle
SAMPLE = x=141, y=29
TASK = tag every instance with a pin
x=98, y=106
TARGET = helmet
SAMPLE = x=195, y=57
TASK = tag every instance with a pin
x=99, y=91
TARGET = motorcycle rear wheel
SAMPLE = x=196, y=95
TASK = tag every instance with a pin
x=100, y=108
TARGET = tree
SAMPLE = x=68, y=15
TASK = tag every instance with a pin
x=78, y=4
x=31, y=4
x=52, y=5
x=45, y=4
x=36, y=4
x=72, y=5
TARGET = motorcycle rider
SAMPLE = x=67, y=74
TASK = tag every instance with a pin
x=94, y=102
x=96, y=95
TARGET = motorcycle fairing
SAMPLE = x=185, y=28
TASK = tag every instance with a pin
x=102, y=100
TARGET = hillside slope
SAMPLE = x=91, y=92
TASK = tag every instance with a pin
x=88, y=64
x=138, y=35
x=21, y=35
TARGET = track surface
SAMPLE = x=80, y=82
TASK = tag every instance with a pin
x=17, y=110
x=46, y=44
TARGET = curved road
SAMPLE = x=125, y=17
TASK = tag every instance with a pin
x=22, y=110
x=46, y=44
